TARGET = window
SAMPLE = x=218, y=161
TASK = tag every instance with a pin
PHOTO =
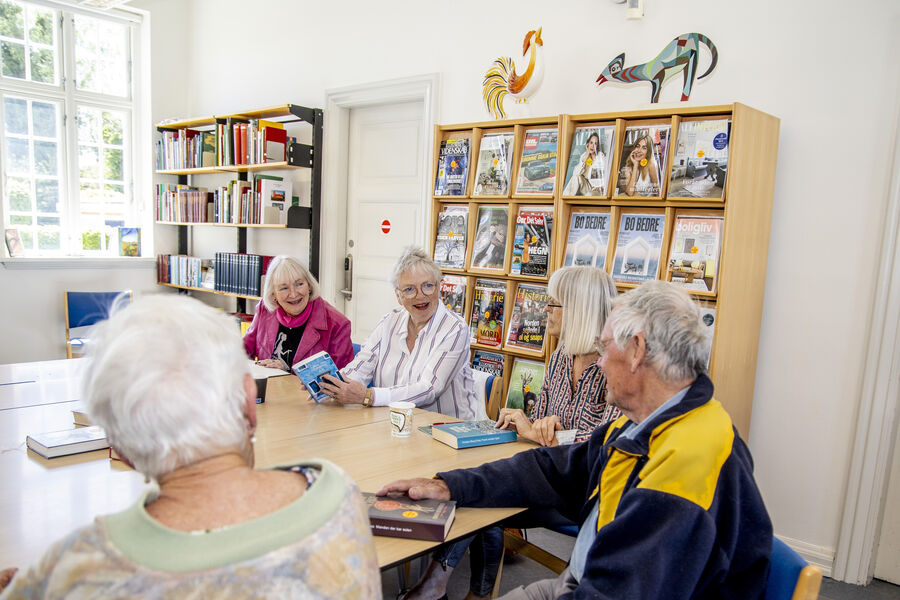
x=68, y=127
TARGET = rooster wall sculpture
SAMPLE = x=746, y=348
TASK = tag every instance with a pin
x=501, y=79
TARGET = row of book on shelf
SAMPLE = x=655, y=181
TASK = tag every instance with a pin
x=698, y=170
x=232, y=272
x=232, y=141
x=692, y=261
x=264, y=199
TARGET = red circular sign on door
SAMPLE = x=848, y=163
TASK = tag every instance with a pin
x=385, y=226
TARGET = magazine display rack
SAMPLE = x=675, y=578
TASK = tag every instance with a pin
x=722, y=266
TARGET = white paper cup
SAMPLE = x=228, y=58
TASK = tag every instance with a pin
x=401, y=418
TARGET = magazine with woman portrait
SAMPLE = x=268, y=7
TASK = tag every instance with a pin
x=587, y=173
x=642, y=164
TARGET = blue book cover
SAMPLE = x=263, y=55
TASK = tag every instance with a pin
x=469, y=434
x=310, y=371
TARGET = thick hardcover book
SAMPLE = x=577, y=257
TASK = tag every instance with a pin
x=638, y=247
x=525, y=384
x=694, y=252
x=471, y=434
x=531, y=243
x=587, y=173
x=453, y=166
x=489, y=362
x=494, y=164
x=537, y=167
x=588, y=239
x=489, y=249
x=403, y=517
x=453, y=293
x=450, y=239
x=488, y=309
x=642, y=165
x=310, y=371
x=528, y=321
x=700, y=162
x=68, y=441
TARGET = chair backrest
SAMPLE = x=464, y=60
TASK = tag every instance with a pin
x=87, y=308
x=356, y=348
x=791, y=577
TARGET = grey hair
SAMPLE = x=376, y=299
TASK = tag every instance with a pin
x=166, y=382
x=586, y=295
x=677, y=340
x=414, y=258
x=285, y=269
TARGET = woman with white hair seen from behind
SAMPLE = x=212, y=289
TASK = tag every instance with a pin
x=418, y=352
x=293, y=322
x=169, y=383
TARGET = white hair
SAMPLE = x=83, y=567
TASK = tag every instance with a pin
x=677, y=340
x=166, y=382
x=286, y=269
x=414, y=258
x=586, y=295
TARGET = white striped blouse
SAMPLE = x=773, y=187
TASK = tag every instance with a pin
x=435, y=376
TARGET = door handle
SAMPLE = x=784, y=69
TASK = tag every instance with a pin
x=348, y=277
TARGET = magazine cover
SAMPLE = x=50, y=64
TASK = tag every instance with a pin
x=129, y=241
x=528, y=321
x=525, y=383
x=489, y=250
x=488, y=307
x=453, y=165
x=489, y=362
x=638, y=247
x=587, y=173
x=453, y=293
x=531, y=243
x=494, y=164
x=642, y=165
x=537, y=168
x=588, y=240
x=694, y=252
x=700, y=162
x=450, y=240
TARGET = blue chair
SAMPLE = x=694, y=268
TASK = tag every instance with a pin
x=791, y=577
x=356, y=349
x=83, y=309
x=488, y=395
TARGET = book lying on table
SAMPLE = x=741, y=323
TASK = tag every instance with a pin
x=469, y=434
x=310, y=371
x=68, y=441
x=80, y=416
x=403, y=517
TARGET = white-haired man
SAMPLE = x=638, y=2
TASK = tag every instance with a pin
x=665, y=494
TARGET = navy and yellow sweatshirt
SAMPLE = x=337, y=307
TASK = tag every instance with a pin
x=679, y=512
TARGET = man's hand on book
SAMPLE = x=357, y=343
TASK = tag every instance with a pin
x=345, y=392
x=418, y=488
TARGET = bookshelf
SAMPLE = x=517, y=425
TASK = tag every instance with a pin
x=744, y=211
x=299, y=156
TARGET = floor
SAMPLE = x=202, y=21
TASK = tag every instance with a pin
x=521, y=571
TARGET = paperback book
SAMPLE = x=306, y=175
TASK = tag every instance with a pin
x=528, y=321
x=700, y=161
x=275, y=198
x=694, y=252
x=494, y=164
x=588, y=240
x=452, y=168
x=642, y=165
x=68, y=441
x=531, y=243
x=537, y=167
x=310, y=371
x=489, y=249
x=471, y=434
x=489, y=362
x=453, y=293
x=488, y=307
x=525, y=384
x=638, y=247
x=401, y=516
x=129, y=241
x=450, y=239
x=14, y=243
x=587, y=173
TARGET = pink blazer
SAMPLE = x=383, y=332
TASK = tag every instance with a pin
x=326, y=329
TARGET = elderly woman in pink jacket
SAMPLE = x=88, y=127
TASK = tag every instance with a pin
x=293, y=322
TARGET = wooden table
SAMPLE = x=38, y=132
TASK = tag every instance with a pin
x=41, y=500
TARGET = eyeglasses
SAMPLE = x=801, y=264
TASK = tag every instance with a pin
x=410, y=291
x=553, y=306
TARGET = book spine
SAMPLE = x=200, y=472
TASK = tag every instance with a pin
x=484, y=440
x=433, y=532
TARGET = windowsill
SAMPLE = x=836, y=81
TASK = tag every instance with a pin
x=79, y=262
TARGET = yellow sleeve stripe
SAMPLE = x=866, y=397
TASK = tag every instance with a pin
x=612, y=482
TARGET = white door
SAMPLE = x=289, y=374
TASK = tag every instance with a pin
x=385, y=204
x=887, y=557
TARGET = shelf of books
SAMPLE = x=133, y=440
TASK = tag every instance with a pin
x=681, y=194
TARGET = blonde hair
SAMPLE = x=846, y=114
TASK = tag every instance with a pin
x=284, y=269
x=586, y=295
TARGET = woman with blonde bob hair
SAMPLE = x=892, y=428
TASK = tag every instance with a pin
x=293, y=322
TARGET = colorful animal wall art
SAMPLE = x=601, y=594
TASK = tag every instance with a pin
x=681, y=55
x=501, y=78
